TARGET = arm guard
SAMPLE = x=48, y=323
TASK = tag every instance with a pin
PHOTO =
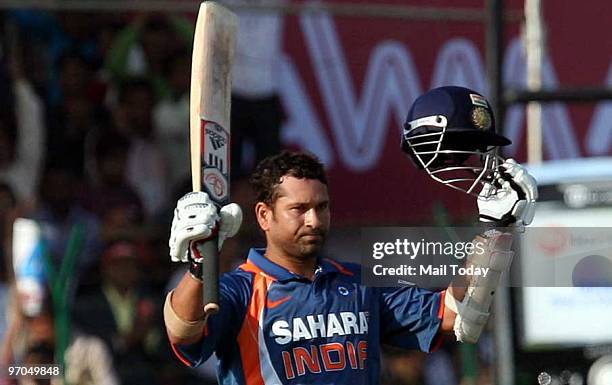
x=178, y=327
x=473, y=310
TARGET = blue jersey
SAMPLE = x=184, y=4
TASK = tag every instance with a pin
x=276, y=327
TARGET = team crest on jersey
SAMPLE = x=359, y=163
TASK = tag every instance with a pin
x=343, y=290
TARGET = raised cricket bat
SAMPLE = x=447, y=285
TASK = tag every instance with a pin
x=210, y=99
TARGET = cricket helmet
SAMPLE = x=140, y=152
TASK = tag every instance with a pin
x=450, y=133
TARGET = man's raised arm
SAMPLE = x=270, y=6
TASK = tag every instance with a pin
x=195, y=220
x=512, y=206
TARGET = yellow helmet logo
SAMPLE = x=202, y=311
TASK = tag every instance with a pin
x=481, y=118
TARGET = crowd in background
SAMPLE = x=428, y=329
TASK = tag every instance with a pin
x=94, y=147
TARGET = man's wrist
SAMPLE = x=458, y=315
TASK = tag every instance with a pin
x=183, y=331
x=195, y=270
x=490, y=222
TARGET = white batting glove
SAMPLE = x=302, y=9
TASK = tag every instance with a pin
x=196, y=219
x=231, y=219
x=513, y=202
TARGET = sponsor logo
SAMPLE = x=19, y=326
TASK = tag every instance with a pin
x=270, y=304
x=329, y=357
x=216, y=140
x=320, y=326
x=215, y=152
x=215, y=183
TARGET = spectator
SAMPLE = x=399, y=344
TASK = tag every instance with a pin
x=146, y=165
x=78, y=78
x=37, y=355
x=56, y=35
x=141, y=49
x=257, y=113
x=171, y=116
x=60, y=214
x=88, y=360
x=122, y=314
x=417, y=368
x=403, y=368
x=110, y=196
x=7, y=204
x=21, y=136
x=78, y=119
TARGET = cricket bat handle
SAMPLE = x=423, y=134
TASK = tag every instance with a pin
x=210, y=275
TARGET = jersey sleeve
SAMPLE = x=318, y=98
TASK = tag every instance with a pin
x=234, y=292
x=410, y=317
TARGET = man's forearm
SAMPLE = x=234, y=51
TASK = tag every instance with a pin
x=457, y=289
x=184, y=312
x=466, y=311
x=187, y=301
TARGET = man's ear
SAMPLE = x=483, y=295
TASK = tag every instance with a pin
x=264, y=214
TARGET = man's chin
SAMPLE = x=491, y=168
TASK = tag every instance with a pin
x=309, y=249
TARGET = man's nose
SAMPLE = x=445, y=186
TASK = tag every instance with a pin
x=312, y=219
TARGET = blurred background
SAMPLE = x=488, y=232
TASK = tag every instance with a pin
x=94, y=153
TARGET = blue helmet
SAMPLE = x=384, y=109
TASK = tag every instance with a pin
x=450, y=133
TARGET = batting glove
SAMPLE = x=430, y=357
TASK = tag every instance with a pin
x=196, y=220
x=511, y=199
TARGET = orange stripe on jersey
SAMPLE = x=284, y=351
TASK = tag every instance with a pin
x=180, y=356
x=251, y=267
x=439, y=337
x=341, y=268
x=248, y=338
x=442, y=304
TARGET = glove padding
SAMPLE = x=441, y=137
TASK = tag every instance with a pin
x=196, y=219
x=513, y=202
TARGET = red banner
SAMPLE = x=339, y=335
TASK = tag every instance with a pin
x=348, y=82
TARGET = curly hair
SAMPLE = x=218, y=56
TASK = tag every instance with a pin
x=269, y=172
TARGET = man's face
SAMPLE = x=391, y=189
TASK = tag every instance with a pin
x=58, y=190
x=298, y=222
x=124, y=273
x=138, y=107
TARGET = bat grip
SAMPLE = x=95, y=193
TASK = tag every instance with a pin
x=210, y=275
